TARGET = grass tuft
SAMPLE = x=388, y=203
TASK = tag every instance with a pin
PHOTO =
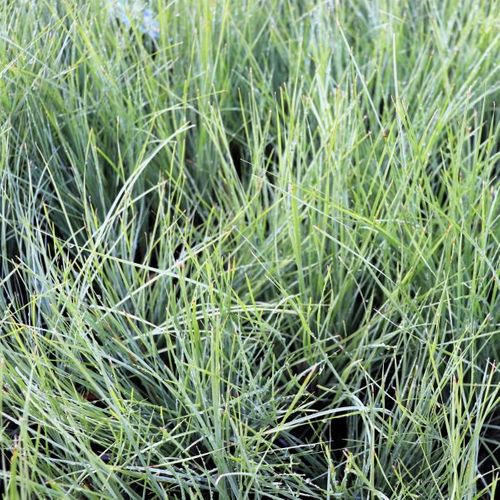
x=249, y=249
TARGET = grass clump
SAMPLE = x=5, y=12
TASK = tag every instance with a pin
x=251, y=251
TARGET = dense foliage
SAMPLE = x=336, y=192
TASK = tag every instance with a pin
x=249, y=249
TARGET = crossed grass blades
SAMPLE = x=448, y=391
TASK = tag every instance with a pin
x=252, y=253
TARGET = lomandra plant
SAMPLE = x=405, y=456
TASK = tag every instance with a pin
x=249, y=249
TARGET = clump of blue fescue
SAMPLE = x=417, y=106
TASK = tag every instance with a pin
x=135, y=12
